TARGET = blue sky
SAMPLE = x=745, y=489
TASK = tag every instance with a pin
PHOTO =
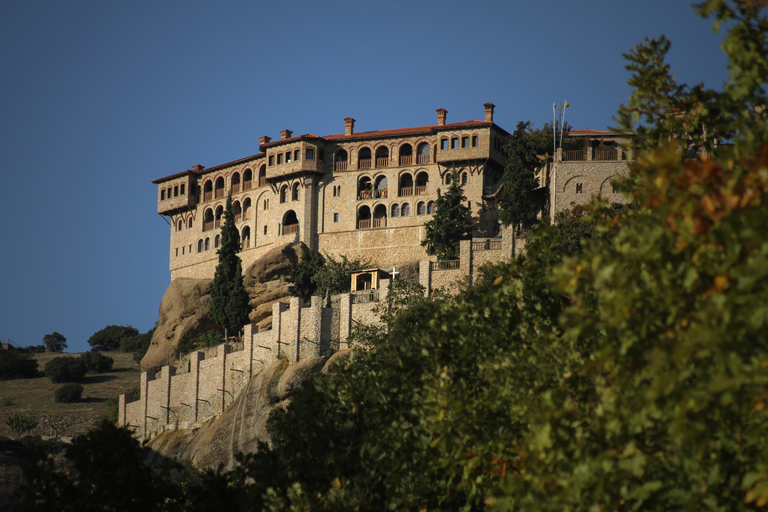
x=97, y=98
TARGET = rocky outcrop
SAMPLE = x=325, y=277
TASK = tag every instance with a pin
x=244, y=424
x=184, y=310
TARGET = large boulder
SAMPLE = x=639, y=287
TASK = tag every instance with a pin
x=265, y=281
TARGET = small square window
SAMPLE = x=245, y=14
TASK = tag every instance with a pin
x=296, y=155
x=310, y=154
x=288, y=157
x=464, y=142
x=279, y=159
x=443, y=144
x=474, y=141
x=271, y=160
x=335, y=217
x=455, y=143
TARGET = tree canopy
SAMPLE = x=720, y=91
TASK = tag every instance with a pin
x=110, y=337
x=229, y=299
x=55, y=342
x=450, y=224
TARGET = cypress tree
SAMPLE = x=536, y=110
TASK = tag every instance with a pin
x=518, y=205
x=450, y=224
x=229, y=300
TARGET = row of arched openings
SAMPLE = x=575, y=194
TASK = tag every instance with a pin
x=204, y=244
x=181, y=223
x=378, y=218
x=378, y=188
x=368, y=159
x=215, y=189
x=286, y=191
x=212, y=218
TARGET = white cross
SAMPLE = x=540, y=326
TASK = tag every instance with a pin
x=394, y=273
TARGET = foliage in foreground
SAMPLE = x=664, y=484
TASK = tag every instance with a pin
x=21, y=423
x=316, y=275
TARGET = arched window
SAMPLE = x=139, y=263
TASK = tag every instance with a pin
x=340, y=160
x=219, y=188
x=284, y=193
x=364, y=217
x=200, y=245
x=364, y=188
x=295, y=193
x=262, y=175
x=430, y=208
x=406, y=184
x=421, y=208
x=382, y=156
x=380, y=216
x=406, y=154
x=208, y=190
x=237, y=211
x=364, y=158
x=290, y=223
x=448, y=179
x=422, y=153
x=247, y=208
x=207, y=244
x=464, y=178
x=189, y=223
x=380, y=188
x=208, y=220
x=236, y=183
x=245, y=238
x=216, y=241
x=395, y=210
x=422, y=183
x=247, y=179
x=179, y=225
x=219, y=215
x=405, y=210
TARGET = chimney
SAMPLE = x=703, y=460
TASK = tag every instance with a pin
x=489, y=111
x=349, y=126
x=264, y=140
x=286, y=134
x=198, y=168
x=441, y=116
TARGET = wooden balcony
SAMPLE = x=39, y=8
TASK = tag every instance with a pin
x=364, y=224
x=422, y=159
x=380, y=194
x=340, y=166
x=406, y=160
x=421, y=190
x=236, y=188
x=290, y=229
x=406, y=191
x=364, y=163
x=207, y=226
x=219, y=193
x=217, y=223
x=382, y=162
x=262, y=181
x=380, y=223
x=207, y=196
x=247, y=185
x=575, y=155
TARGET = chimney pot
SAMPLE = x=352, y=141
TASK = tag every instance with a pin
x=441, y=114
x=198, y=168
x=349, y=126
x=489, y=111
x=286, y=134
x=264, y=140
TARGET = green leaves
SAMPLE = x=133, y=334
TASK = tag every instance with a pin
x=450, y=224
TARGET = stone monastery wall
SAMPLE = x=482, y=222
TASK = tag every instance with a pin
x=205, y=385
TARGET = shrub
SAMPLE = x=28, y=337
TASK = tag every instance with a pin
x=20, y=423
x=96, y=362
x=65, y=369
x=17, y=365
x=110, y=337
x=68, y=393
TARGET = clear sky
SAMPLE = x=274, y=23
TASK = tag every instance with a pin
x=97, y=98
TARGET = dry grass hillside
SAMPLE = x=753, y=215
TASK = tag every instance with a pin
x=35, y=397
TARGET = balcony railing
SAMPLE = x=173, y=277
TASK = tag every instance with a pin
x=606, y=154
x=421, y=190
x=236, y=188
x=219, y=193
x=380, y=194
x=364, y=224
x=364, y=163
x=365, y=194
x=406, y=160
x=446, y=265
x=262, y=181
x=217, y=223
x=380, y=223
x=246, y=244
x=382, y=161
x=406, y=191
x=575, y=155
x=364, y=296
x=208, y=195
x=487, y=245
x=289, y=229
x=422, y=159
x=207, y=226
x=247, y=185
x=340, y=165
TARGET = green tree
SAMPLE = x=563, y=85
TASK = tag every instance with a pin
x=96, y=362
x=333, y=277
x=110, y=337
x=518, y=205
x=450, y=224
x=15, y=364
x=303, y=272
x=229, y=299
x=68, y=393
x=21, y=423
x=55, y=342
x=65, y=369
